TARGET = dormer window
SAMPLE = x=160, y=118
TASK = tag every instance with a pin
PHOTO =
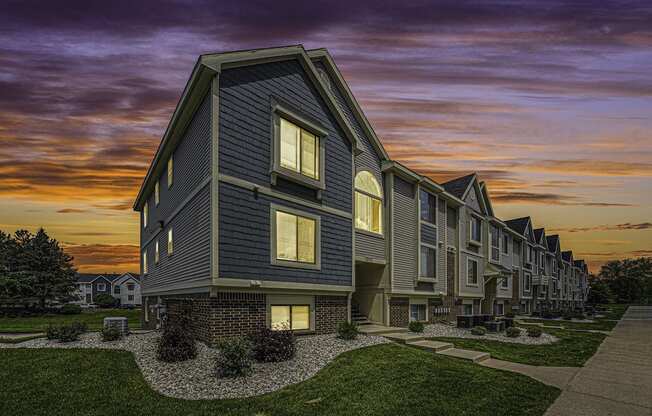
x=298, y=146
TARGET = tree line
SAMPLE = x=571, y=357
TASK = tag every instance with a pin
x=623, y=281
x=34, y=270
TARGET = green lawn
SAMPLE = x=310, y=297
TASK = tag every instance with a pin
x=614, y=311
x=572, y=350
x=598, y=325
x=381, y=380
x=93, y=318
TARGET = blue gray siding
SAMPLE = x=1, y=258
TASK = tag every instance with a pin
x=186, y=208
x=245, y=134
x=405, y=236
x=245, y=139
x=244, y=243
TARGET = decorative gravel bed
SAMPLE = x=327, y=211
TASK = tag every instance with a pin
x=195, y=379
x=440, y=330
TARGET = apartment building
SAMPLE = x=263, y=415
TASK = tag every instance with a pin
x=271, y=202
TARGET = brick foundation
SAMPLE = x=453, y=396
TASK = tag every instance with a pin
x=329, y=312
x=399, y=312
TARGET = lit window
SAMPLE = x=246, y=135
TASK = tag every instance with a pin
x=495, y=243
x=170, y=242
x=295, y=317
x=295, y=238
x=157, y=194
x=368, y=203
x=145, y=214
x=428, y=262
x=170, y=171
x=476, y=229
x=299, y=150
x=145, y=261
x=428, y=206
x=418, y=312
x=156, y=255
x=472, y=272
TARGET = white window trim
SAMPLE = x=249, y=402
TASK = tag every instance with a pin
x=382, y=205
x=491, y=245
x=421, y=220
x=282, y=111
x=473, y=216
x=504, y=249
x=423, y=302
x=428, y=278
x=477, y=263
x=294, y=264
x=289, y=300
x=525, y=278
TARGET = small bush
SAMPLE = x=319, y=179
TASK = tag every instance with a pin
x=176, y=344
x=273, y=346
x=534, y=332
x=52, y=332
x=80, y=327
x=110, y=333
x=347, y=330
x=104, y=300
x=513, y=332
x=568, y=316
x=579, y=315
x=415, y=326
x=478, y=330
x=70, y=309
x=234, y=358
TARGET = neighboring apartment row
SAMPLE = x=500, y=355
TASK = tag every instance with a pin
x=124, y=287
x=271, y=202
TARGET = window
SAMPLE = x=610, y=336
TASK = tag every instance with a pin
x=170, y=243
x=428, y=262
x=368, y=203
x=170, y=171
x=505, y=282
x=145, y=214
x=157, y=194
x=156, y=255
x=116, y=289
x=299, y=150
x=527, y=281
x=295, y=238
x=418, y=312
x=471, y=272
x=468, y=308
x=130, y=297
x=101, y=287
x=428, y=207
x=451, y=218
x=500, y=309
x=145, y=261
x=495, y=243
x=294, y=317
x=505, y=244
x=131, y=287
x=476, y=229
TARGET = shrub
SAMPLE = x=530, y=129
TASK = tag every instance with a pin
x=234, y=358
x=579, y=315
x=104, y=300
x=110, y=333
x=478, y=330
x=347, y=330
x=568, y=316
x=415, y=326
x=534, y=332
x=273, y=346
x=513, y=332
x=176, y=344
x=52, y=332
x=70, y=309
x=79, y=327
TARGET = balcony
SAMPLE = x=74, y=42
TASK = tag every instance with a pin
x=540, y=280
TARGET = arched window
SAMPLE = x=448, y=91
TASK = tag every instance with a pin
x=368, y=203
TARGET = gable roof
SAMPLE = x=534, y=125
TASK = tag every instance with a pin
x=552, y=241
x=538, y=233
x=567, y=256
x=126, y=276
x=201, y=81
x=91, y=277
x=486, y=198
x=459, y=186
x=518, y=224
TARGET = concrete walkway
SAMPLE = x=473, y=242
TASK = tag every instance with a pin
x=617, y=380
x=553, y=376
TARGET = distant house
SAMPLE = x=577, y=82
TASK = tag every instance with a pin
x=125, y=287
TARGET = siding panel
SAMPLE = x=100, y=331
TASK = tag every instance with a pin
x=405, y=235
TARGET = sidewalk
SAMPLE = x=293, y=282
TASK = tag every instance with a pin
x=617, y=380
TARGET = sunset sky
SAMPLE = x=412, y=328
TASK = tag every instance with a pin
x=550, y=102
